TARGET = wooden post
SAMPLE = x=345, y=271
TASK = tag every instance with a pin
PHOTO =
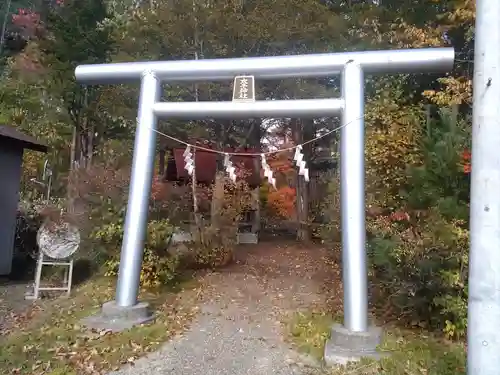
x=161, y=164
x=256, y=200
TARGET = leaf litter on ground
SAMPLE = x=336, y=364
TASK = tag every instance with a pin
x=55, y=342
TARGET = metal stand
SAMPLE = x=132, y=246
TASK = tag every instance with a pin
x=42, y=259
x=46, y=261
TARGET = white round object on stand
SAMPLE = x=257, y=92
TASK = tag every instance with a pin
x=58, y=240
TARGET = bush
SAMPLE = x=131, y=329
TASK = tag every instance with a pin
x=28, y=221
x=280, y=203
x=329, y=230
x=418, y=250
x=418, y=263
x=99, y=197
x=98, y=200
x=214, y=246
x=159, y=267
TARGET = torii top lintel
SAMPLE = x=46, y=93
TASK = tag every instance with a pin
x=312, y=65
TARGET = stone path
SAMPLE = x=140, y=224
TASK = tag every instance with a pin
x=239, y=330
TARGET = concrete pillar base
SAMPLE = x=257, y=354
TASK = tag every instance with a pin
x=345, y=346
x=116, y=318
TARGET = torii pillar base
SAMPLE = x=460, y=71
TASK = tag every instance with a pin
x=116, y=318
x=346, y=346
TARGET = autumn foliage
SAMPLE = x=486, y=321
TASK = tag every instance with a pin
x=282, y=201
x=466, y=161
x=28, y=21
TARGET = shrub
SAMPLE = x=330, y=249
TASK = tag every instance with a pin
x=281, y=202
x=418, y=262
x=418, y=250
x=419, y=253
x=214, y=249
x=28, y=221
x=159, y=267
x=98, y=197
x=215, y=244
x=329, y=230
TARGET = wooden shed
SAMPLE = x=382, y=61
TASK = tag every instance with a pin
x=12, y=146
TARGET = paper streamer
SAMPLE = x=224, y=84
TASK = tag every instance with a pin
x=229, y=168
x=301, y=163
x=268, y=173
x=188, y=160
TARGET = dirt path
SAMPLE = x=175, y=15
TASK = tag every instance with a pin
x=239, y=330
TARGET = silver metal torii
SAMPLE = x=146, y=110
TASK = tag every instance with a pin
x=483, y=341
x=352, y=67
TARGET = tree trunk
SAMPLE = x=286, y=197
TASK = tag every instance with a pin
x=161, y=164
x=217, y=199
x=73, y=150
x=90, y=145
x=255, y=143
x=303, y=232
x=82, y=155
x=256, y=201
x=301, y=186
x=72, y=167
x=198, y=235
x=219, y=179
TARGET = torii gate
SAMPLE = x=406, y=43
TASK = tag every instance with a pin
x=355, y=338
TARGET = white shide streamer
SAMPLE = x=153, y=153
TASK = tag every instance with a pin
x=301, y=163
x=268, y=173
x=188, y=160
x=228, y=164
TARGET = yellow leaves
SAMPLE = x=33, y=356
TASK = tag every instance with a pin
x=464, y=11
x=457, y=90
x=391, y=144
x=405, y=35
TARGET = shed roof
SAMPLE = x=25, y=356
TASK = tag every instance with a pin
x=9, y=133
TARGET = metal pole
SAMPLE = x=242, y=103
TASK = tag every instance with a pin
x=272, y=67
x=261, y=109
x=352, y=185
x=484, y=269
x=140, y=187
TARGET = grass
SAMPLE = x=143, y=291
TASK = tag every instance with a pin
x=54, y=342
x=409, y=352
